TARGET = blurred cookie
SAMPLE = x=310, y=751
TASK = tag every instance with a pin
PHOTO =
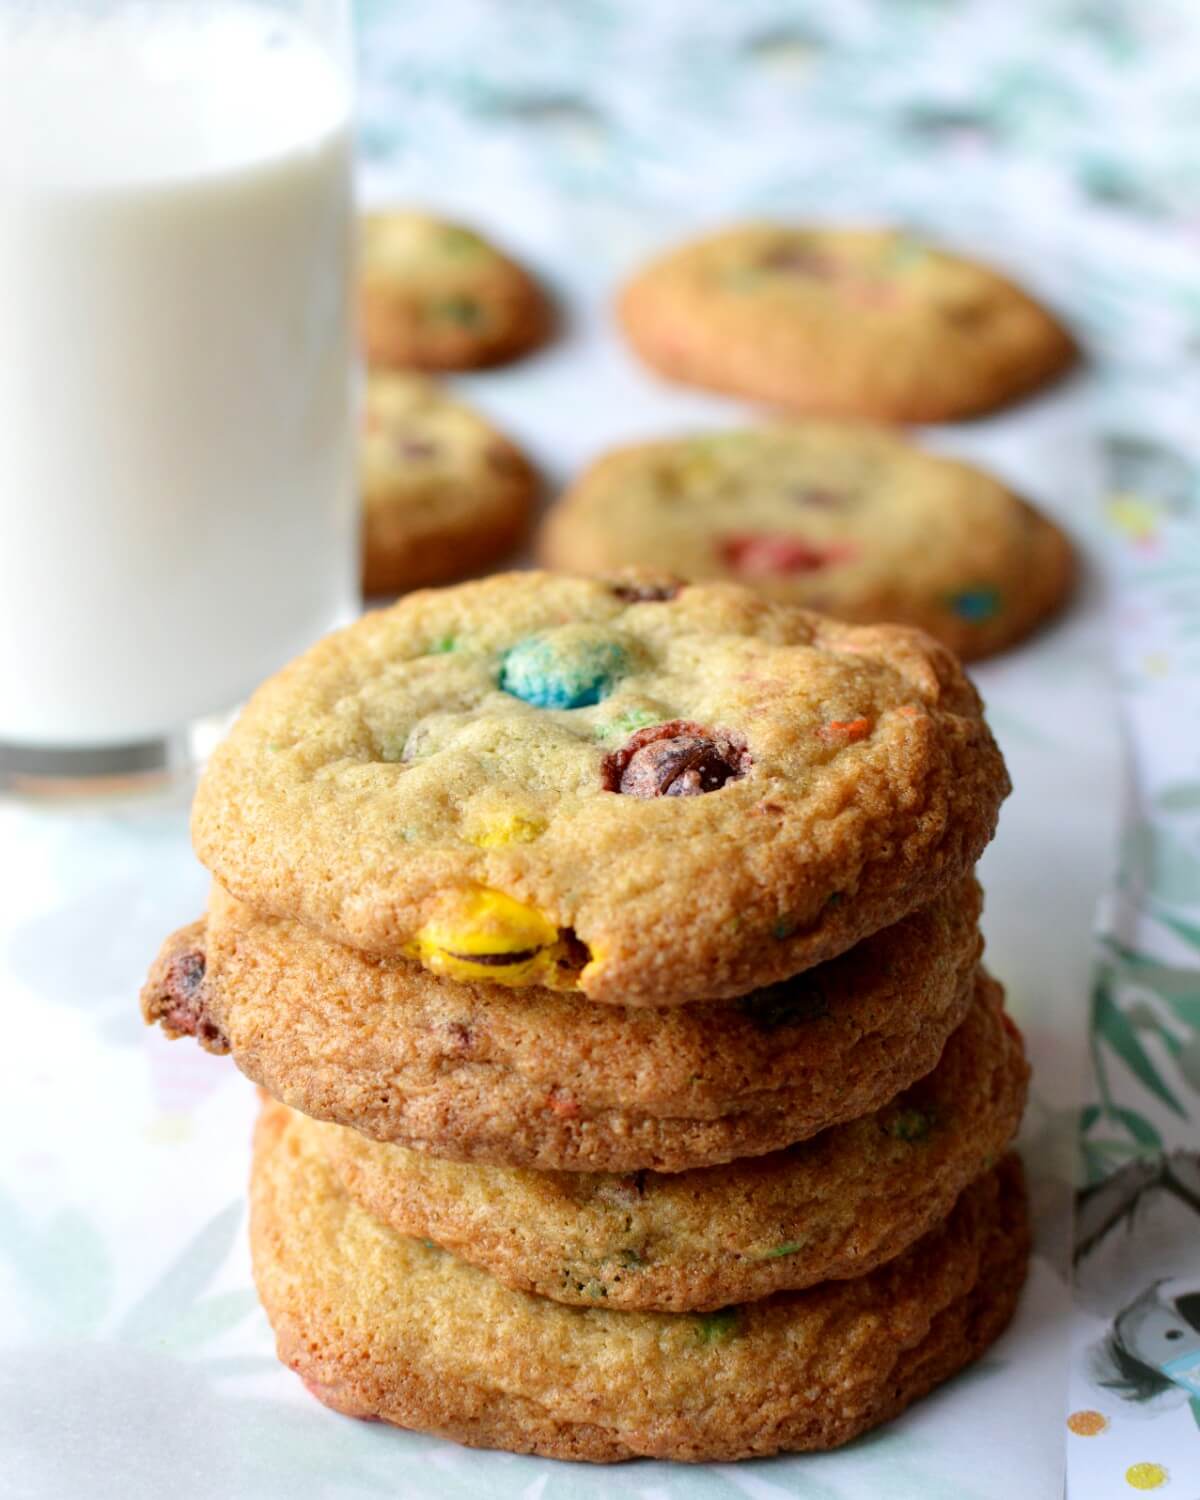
x=648, y=792
x=379, y=1325
x=844, y=518
x=534, y=1078
x=443, y=493
x=437, y=296
x=836, y=1206
x=842, y=322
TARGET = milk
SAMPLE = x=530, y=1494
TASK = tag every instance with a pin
x=176, y=511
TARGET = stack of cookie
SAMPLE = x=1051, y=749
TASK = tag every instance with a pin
x=443, y=492
x=608, y=953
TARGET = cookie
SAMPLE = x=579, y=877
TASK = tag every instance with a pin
x=650, y=793
x=383, y=1326
x=842, y=322
x=435, y=295
x=443, y=493
x=840, y=517
x=834, y=1207
x=533, y=1078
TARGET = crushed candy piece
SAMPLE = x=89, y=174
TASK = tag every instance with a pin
x=768, y=555
x=910, y=1125
x=976, y=605
x=507, y=828
x=718, y=1327
x=845, y=731
x=565, y=1105
x=464, y=311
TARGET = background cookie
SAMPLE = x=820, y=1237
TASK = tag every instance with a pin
x=841, y=322
x=533, y=778
x=844, y=518
x=379, y=1325
x=532, y=1078
x=836, y=1206
x=437, y=296
x=443, y=493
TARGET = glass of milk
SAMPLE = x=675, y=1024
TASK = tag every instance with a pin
x=177, y=514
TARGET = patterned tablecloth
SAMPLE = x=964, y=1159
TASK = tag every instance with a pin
x=1058, y=137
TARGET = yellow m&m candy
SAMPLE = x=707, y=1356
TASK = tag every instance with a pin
x=479, y=933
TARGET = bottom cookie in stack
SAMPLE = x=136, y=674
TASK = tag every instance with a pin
x=863, y=1266
x=382, y=1325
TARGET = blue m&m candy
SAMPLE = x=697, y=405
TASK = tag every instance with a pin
x=572, y=667
x=976, y=605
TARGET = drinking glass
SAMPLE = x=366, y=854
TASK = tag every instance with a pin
x=177, y=510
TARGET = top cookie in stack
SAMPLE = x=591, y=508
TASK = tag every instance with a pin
x=646, y=793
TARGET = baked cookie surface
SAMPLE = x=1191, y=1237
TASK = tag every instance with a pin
x=842, y=322
x=480, y=1072
x=443, y=493
x=379, y=1325
x=653, y=794
x=834, y=1207
x=436, y=295
x=841, y=517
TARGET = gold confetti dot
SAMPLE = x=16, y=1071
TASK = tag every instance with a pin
x=1146, y=1476
x=1157, y=664
x=1087, y=1423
